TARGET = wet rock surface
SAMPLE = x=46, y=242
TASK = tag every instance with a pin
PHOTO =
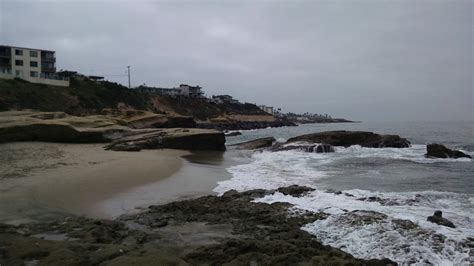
x=349, y=138
x=232, y=134
x=255, y=144
x=316, y=148
x=438, y=218
x=440, y=151
x=209, y=230
x=295, y=190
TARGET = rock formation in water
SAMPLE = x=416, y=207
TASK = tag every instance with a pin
x=316, y=148
x=349, y=138
x=440, y=151
x=255, y=144
x=438, y=218
x=324, y=142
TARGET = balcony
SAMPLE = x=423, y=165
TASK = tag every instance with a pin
x=5, y=55
x=49, y=59
x=48, y=69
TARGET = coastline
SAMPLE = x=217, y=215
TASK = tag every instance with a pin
x=185, y=215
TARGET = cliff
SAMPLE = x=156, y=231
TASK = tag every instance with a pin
x=86, y=97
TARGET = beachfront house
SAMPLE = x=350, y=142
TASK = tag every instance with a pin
x=183, y=90
x=224, y=99
x=267, y=109
x=33, y=65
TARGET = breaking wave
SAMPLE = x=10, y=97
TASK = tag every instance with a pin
x=396, y=226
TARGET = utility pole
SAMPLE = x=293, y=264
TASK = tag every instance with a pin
x=128, y=68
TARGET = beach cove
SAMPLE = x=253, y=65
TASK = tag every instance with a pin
x=44, y=180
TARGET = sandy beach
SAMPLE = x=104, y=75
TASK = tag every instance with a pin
x=40, y=180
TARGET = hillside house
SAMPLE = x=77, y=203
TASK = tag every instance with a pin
x=267, y=109
x=224, y=99
x=183, y=90
x=33, y=65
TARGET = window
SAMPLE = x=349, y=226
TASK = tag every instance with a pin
x=34, y=74
x=18, y=73
x=18, y=52
x=18, y=62
x=33, y=53
x=33, y=64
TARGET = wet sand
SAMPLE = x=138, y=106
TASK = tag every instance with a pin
x=41, y=180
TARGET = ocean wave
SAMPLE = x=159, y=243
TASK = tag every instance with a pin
x=270, y=170
x=382, y=238
x=274, y=169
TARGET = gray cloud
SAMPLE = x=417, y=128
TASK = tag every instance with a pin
x=365, y=60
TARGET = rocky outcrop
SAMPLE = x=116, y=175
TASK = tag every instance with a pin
x=437, y=218
x=51, y=133
x=244, y=125
x=162, y=121
x=59, y=127
x=349, y=138
x=255, y=144
x=210, y=230
x=54, y=127
x=173, y=138
x=441, y=151
x=232, y=134
x=295, y=190
x=317, y=148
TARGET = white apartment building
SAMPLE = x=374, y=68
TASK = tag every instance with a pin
x=267, y=109
x=33, y=65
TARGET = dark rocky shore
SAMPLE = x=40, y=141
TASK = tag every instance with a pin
x=246, y=125
x=210, y=230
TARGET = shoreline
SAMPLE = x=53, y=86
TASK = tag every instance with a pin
x=75, y=178
x=231, y=228
x=185, y=220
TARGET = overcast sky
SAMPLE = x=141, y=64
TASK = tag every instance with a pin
x=365, y=60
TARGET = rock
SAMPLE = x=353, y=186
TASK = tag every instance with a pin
x=162, y=121
x=61, y=133
x=317, y=148
x=244, y=125
x=209, y=230
x=255, y=144
x=59, y=127
x=233, y=134
x=349, y=138
x=336, y=192
x=295, y=190
x=261, y=234
x=440, y=151
x=437, y=218
x=382, y=262
x=172, y=138
x=324, y=148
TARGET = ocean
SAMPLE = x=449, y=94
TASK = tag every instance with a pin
x=388, y=184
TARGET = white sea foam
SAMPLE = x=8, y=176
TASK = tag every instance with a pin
x=270, y=170
x=381, y=239
x=415, y=153
x=274, y=169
